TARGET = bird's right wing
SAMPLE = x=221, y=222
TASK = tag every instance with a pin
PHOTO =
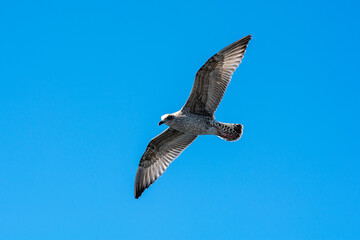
x=160, y=152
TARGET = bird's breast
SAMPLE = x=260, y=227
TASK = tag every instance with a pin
x=194, y=124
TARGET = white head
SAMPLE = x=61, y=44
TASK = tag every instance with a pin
x=167, y=119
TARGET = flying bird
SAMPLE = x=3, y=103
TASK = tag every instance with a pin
x=195, y=118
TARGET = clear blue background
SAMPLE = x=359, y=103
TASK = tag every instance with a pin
x=83, y=85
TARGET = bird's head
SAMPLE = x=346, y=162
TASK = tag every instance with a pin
x=167, y=119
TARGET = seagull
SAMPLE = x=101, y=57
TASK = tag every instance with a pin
x=195, y=118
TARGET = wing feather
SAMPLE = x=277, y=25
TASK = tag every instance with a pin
x=160, y=152
x=213, y=78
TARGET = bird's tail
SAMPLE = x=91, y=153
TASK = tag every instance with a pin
x=229, y=131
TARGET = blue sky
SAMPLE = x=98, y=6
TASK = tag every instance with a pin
x=83, y=85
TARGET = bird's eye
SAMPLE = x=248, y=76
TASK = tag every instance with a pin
x=170, y=117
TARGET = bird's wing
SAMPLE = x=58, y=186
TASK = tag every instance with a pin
x=213, y=78
x=160, y=152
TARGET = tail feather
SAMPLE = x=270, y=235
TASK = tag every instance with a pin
x=230, y=131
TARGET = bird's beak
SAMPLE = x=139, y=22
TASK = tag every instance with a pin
x=161, y=122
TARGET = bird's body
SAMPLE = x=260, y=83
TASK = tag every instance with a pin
x=197, y=124
x=195, y=118
x=193, y=123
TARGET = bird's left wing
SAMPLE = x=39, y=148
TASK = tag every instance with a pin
x=213, y=78
x=160, y=152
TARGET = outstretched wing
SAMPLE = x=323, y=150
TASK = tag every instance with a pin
x=213, y=78
x=160, y=152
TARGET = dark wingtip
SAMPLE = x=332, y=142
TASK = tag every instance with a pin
x=138, y=194
x=248, y=36
x=138, y=187
x=138, y=190
x=246, y=39
x=240, y=45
